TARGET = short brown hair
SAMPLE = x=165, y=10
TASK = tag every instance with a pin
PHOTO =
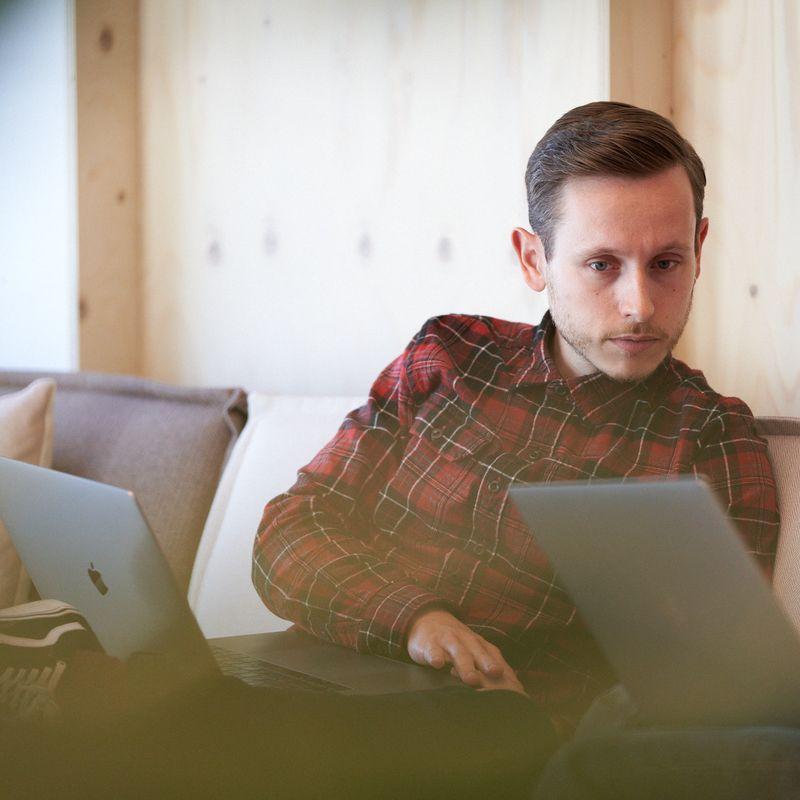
x=604, y=138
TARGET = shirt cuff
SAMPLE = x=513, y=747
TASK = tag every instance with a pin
x=388, y=614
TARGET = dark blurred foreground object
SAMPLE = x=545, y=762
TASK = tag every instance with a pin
x=222, y=738
x=614, y=758
x=36, y=640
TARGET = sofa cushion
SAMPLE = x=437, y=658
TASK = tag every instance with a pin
x=166, y=444
x=783, y=439
x=26, y=434
x=282, y=434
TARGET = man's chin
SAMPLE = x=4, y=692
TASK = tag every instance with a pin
x=630, y=373
x=629, y=370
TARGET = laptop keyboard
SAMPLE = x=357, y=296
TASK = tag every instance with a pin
x=256, y=672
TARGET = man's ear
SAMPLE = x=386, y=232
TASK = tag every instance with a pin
x=530, y=252
x=702, y=232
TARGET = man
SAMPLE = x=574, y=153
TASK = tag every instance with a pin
x=398, y=537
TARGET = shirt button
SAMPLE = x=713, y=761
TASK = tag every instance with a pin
x=495, y=486
x=534, y=454
x=478, y=549
x=559, y=389
x=436, y=433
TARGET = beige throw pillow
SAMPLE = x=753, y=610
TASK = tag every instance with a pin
x=26, y=434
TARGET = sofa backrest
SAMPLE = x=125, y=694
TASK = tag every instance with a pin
x=783, y=439
x=282, y=434
x=166, y=444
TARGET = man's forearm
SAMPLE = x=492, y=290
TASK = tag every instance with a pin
x=311, y=566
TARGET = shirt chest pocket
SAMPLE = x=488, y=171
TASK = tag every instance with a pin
x=435, y=481
x=445, y=451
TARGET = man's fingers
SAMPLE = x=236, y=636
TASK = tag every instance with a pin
x=429, y=655
x=435, y=656
x=490, y=666
x=463, y=663
x=470, y=659
x=417, y=654
x=493, y=651
x=499, y=666
x=507, y=679
x=437, y=638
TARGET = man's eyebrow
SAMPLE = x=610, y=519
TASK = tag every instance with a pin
x=605, y=248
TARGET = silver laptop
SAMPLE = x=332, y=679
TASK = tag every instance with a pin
x=88, y=544
x=663, y=581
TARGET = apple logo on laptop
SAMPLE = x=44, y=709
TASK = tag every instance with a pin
x=97, y=579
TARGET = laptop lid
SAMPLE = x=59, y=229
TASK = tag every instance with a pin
x=663, y=581
x=87, y=543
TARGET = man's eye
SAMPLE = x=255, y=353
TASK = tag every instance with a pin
x=665, y=264
x=598, y=266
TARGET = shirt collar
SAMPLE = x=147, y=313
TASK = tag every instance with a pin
x=598, y=397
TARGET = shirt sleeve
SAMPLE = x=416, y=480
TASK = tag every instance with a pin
x=734, y=460
x=316, y=559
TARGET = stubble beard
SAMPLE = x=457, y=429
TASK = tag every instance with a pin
x=581, y=343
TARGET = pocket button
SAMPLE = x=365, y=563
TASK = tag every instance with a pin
x=495, y=486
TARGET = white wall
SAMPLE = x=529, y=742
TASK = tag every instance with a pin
x=38, y=270
x=320, y=177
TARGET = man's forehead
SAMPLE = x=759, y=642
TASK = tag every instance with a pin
x=599, y=209
x=671, y=184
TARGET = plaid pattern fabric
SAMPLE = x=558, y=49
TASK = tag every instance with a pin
x=407, y=505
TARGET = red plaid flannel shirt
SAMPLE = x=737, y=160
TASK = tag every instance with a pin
x=407, y=507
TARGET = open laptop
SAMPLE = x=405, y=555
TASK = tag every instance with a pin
x=663, y=581
x=88, y=544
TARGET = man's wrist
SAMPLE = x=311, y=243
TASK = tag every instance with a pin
x=388, y=613
x=445, y=608
x=441, y=606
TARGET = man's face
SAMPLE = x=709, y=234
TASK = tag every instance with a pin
x=621, y=274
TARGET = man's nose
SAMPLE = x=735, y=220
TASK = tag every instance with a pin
x=635, y=301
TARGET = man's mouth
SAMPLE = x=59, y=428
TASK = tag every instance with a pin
x=634, y=344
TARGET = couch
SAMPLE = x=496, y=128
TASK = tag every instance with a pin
x=203, y=462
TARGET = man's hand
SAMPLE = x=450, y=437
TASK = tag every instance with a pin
x=437, y=638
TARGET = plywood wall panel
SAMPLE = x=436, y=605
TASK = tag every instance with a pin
x=640, y=53
x=107, y=46
x=737, y=93
x=319, y=178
